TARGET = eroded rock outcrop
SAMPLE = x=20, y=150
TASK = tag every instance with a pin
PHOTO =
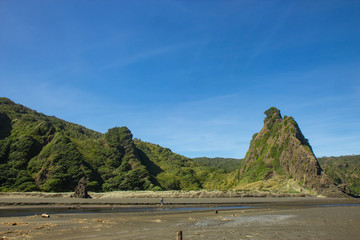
x=80, y=190
x=280, y=149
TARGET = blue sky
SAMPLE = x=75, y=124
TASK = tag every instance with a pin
x=193, y=76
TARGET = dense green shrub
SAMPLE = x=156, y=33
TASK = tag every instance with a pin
x=343, y=170
x=53, y=185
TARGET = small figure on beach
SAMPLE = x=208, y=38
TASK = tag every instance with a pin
x=161, y=201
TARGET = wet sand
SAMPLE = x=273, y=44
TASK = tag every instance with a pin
x=269, y=218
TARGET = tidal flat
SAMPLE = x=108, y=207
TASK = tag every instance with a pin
x=197, y=218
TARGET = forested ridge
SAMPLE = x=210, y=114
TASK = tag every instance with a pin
x=227, y=164
x=343, y=170
x=44, y=153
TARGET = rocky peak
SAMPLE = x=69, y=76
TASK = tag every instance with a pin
x=272, y=114
x=280, y=149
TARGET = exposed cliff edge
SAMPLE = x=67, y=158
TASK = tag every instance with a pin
x=281, y=152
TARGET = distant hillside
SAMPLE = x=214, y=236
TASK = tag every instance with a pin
x=226, y=164
x=174, y=171
x=279, y=156
x=43, y=153
x=344, y=170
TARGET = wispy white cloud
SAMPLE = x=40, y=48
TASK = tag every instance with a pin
x=210, y=10
x=146, y=54
x=264, y=44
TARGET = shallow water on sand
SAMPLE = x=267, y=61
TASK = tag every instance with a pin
x=84, y=210
x=37, y=211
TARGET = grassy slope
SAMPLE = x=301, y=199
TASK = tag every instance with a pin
x=174, y=171
x=227, y=164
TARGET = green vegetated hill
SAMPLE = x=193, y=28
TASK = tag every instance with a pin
x=226, y=164
x=174, y=171
x=280, y=158
x=344, y=170
x=43, y=153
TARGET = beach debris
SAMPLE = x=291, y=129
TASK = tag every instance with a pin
x=14, y=223
x=40, y=227
x=74, y=207
x=225, y=220
x=44, y=215
x=46, y=225
x=80, y=220
x=50, y=225
x=179, y=235
x=10, y=223
x=80, y=190
x=157, y=220
x=21, y=232
x=99, y=220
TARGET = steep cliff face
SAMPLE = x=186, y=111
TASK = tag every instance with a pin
x=280, y=149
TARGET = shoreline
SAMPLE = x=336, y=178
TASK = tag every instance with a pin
x=152, y=199
x=267, y=218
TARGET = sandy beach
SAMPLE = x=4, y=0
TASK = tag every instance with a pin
x=114, y=217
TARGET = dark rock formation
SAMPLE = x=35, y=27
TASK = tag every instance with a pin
x=80, y=190
x=280, y=148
